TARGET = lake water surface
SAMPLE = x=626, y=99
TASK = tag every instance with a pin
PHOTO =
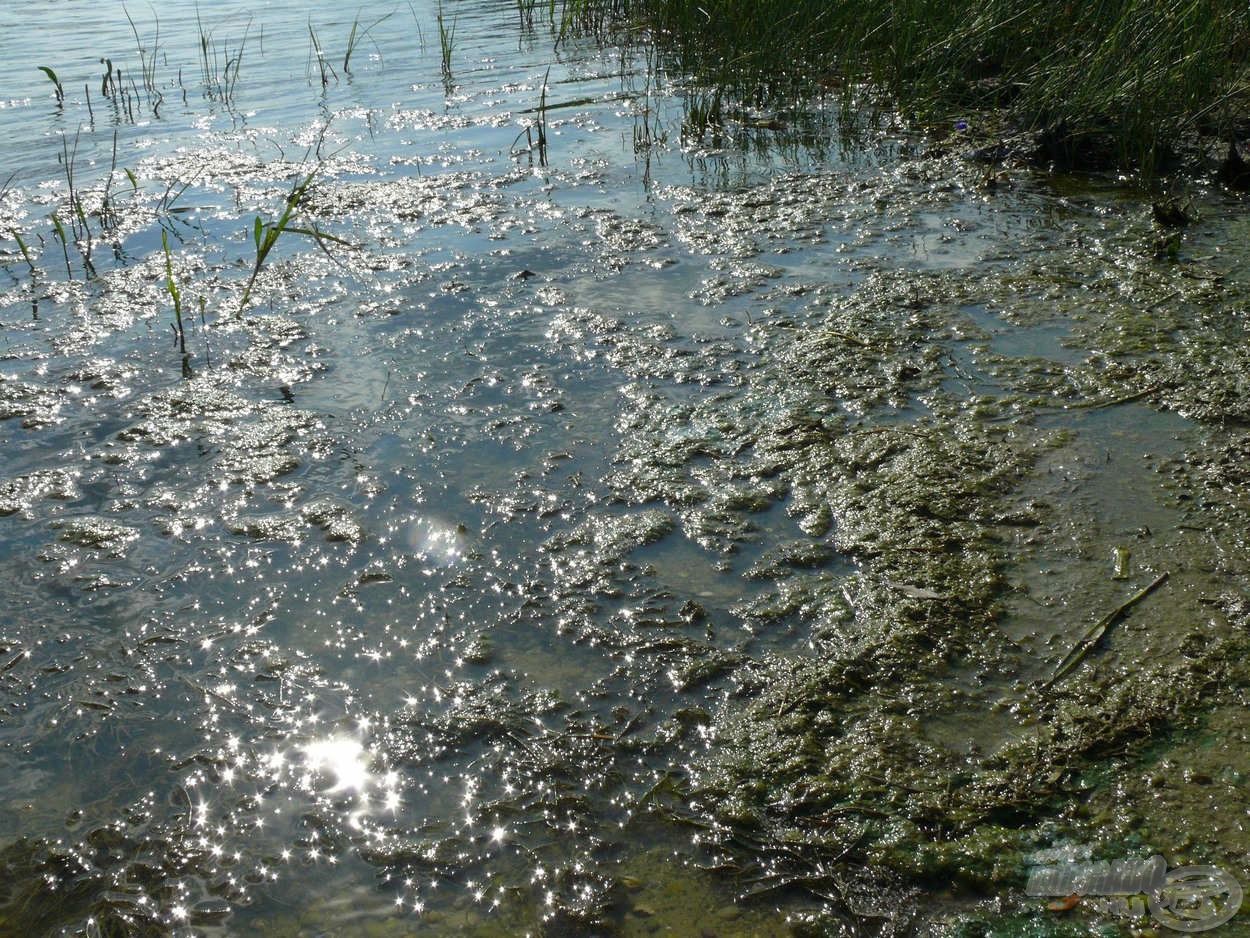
x=444, y=586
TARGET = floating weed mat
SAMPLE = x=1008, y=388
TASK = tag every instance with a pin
x=46, y=889
x=919, y=735
x=862, y=753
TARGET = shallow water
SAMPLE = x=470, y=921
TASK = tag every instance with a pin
x=431, y=590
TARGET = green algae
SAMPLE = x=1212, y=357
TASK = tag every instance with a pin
x=842, y=742
x=97, y=534
x=911, y=738
x=1023, y=925
x=44, y=890
x=918, y=737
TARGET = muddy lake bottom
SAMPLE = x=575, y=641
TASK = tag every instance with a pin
x=633, y=535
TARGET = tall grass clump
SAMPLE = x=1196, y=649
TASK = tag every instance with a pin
x=219, y=64
x=1124, y=79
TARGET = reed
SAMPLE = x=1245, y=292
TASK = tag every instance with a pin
x=542, y=120
x=61, y=235
x=416, y=22
x=535, y=129
x=316, y=53
x=21, y=246
x=108, y=86
x=1134, y=75
x=219, y=64
x=351, y=46
x=205, y=41
x=80, y=226
x=147, y=61
x=108, y=213
x=446, y=40
x=356, y=35
x=525, y=13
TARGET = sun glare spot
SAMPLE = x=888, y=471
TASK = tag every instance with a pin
x=341, y=757
x=435, y=541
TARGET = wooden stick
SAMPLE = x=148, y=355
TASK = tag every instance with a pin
x=1097, y=630
x=1117, y=401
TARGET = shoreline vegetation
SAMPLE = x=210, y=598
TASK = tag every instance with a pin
x=1147, y=85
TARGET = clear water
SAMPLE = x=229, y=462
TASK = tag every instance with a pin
x=284, y=646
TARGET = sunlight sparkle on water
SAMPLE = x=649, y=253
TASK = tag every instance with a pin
x=436, y=541
x=343, y=758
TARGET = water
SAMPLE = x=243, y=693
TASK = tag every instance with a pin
x=413, y=596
